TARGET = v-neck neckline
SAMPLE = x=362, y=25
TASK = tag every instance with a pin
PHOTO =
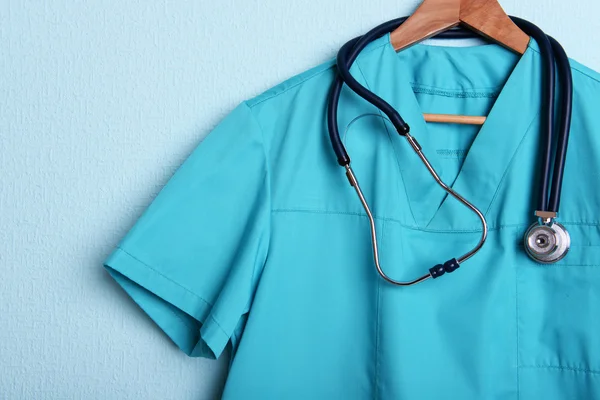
x=512, y=114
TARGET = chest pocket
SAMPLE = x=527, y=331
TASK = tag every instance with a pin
x=558, y=308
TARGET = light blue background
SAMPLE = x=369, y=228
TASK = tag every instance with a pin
x=99, y=103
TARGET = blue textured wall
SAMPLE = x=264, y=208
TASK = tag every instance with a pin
x=99, y=103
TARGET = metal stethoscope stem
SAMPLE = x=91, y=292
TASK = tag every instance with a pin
x=417, y=148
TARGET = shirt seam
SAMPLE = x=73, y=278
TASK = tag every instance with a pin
x=313, y=75
x=364, y=53
x=417, y=228
x=585, y=74
x=184, y=322
x=166, y=277
x=372, y=49
x=325, y=68
x=490, y=89
x=574, y=67
x=517, y=335
x=209, y=316
x=320, y=71
x=195, y=329
x=190, y=328
x=378, y=326
x=558, y=367
x=269, y=192
x=457, y=93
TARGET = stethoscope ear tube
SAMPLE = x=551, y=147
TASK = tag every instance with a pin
x=332, y=115
x=547, y=112
x=566, y=85
x=346, y=56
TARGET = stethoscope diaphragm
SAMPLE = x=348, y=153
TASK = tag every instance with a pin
x=547, y=243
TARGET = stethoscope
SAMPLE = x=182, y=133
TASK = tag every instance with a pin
x=546, y=241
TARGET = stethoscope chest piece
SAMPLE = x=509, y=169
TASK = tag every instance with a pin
x=547, y=243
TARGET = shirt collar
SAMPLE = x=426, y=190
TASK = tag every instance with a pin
x=455, y=71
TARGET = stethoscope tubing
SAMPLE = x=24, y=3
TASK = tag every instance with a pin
x=547, y=45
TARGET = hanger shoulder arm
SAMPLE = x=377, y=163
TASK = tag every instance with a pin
x=431, y=18
x=489, y=19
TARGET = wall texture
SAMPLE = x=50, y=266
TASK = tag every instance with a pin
x=99, y=103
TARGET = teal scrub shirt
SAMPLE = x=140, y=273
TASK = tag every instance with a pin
x=259, y=240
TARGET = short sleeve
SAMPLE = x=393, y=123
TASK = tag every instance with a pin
x=190, y=260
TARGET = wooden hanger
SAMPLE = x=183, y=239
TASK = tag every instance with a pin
x=485, y=17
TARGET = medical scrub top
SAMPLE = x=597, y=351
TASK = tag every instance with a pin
x=258, y=239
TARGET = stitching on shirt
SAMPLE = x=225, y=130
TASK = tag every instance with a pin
x=319, y=71
x=582, y=223
x=418, y=88
x=211, y=316
x=413, y=227
x=327, y=67
x=367, y=51
x=517, y=330
x=378, y=325
x=558, y=367
x=269, y=193
x=391, y=144
x=196, y=330
x=187, y=325
x=489, y=89
x=565, y=264
x=183, y=321
x=585, y=74
x=490, y=228
x=451, y=154
x=574, y=67
x=164, y=276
